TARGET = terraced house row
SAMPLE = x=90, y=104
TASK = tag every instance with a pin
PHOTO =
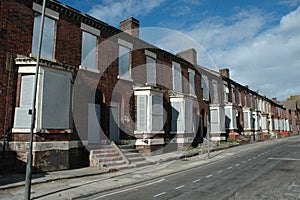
x=98, y=84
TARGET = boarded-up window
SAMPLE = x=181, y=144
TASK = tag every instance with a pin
x=151, y=70
x=188, y=115
x=124, y=62
x=216, y=93
x=56, y=100
x=142, y=113
x=246, y=120
x=205, y=87
x=214, y=120
x=177, y=119
x=177, y=77
x=192, y=81
x=88, y=52
x=47, y=50
x=22, y=116
x=157, y=113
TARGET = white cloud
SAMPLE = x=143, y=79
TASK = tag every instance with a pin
x=259, y=53
x=114, y=11
x=268, y=61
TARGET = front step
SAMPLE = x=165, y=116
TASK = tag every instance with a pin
x=107, y=158
x=116, y=158
x=135, y=158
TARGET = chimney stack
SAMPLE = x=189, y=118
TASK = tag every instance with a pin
x=189, y=55
x=131, y=26
x=225, y=72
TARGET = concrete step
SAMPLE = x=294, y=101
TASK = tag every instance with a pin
x=103, y=155
x=113, y=163
x=100, y=151
x=136, y=159
x=126, y=146
x=110, y=159
x=132, y=155
x=129, y=151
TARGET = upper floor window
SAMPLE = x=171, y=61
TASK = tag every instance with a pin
x=48, y=38
x=239, y=97
x=151, y=70
x=192, y=81
x=89, y=46
x=88, y=52
x=124, y=59
x=177, y=77
x=251, y=100
x=205, y=87
x=216, y=92
x=226, y=92
x=232, y=94
x=245, y=99
x=124, y=62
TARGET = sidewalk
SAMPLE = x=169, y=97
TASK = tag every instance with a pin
x=8, y=181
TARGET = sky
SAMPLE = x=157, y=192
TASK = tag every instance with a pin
x=258, y=40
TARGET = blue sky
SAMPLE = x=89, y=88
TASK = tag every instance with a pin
x=258, y=40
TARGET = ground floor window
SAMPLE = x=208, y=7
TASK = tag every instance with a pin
x=53, y=101
x=182, y=115
x=149, y=111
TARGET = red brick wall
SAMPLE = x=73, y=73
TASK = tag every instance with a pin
x=16, y=30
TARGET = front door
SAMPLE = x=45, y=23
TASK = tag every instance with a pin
x=114, y=122
x=93, y=123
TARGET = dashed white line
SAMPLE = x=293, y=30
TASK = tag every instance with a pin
x=179, y=187
x=229, y=167
x=157, y=195
x=209, y=175
x=244, y=161
x=129, y=189
x=254, y=157
x=195, y=181
x=249, y=159
x=219, y=172
x=237, y=164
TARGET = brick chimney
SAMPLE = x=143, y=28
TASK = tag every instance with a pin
x=225, y=72
x=131, y=26
x=189, y=55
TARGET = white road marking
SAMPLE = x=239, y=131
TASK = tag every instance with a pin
x=288, y=159
x=209, y=175
x=237, y=164
x=179, y=187
x=195, y=181
x=244, y=161
x=249, y=159
x=219, y=172
x=254, y=157
x=128, y=189
x=157, y=195
x=229, y=167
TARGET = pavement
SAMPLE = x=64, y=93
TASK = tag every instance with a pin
x=13, y=180
x=185, y=172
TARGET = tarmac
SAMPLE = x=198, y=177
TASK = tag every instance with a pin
x=8, y=181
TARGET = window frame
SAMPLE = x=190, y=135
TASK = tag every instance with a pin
x=127, y=45
x=178, y=80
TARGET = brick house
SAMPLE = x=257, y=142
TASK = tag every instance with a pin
x=96, y=84
x=250, y=114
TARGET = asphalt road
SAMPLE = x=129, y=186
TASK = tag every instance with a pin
x=266, y=172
